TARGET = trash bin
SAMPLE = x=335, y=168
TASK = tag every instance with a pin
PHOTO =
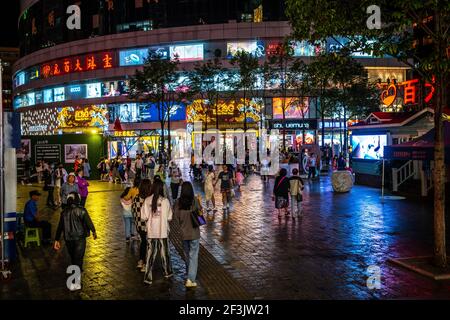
x=9, y=236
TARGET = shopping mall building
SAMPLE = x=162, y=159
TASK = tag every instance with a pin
x=70, y=86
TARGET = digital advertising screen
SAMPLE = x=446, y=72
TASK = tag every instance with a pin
x=110, y=89
x=30, y=99
x=125, y=112
x=39, y=97
x=368, y=147
x=135, y=57
x=19, y=79
x=150, y=113
x=59, y=94
x=94, y=90
x=75, y=92
x=309, y=138
x=305, y=49
x=293, y=107
x=254, y=47
x=186, y=53
x=48, y=96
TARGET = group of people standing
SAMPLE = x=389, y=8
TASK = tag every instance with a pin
x=148, y=211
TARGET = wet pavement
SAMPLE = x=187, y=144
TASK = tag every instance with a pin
x=251, y=253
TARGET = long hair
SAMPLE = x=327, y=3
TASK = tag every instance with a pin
x=73, y=198
x=136, y=182
x=186, y=197
x=157, y=192
x=145, y=188
x=125, y=192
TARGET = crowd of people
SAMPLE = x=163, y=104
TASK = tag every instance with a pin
x=155, y=194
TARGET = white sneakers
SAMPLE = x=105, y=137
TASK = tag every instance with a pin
x=190, y=284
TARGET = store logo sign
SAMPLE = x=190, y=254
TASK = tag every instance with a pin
x=38, y=128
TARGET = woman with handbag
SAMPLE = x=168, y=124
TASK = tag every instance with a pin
x=157, y=213
x=296, y=190
x=281, y=192
x=187, y=210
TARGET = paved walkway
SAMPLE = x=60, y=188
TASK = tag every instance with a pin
x=251, y=253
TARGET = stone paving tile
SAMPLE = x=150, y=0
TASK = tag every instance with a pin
x=324, y=255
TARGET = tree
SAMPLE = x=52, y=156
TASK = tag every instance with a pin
x=157, y=84
x=281, y=61
x=246, y=79
x=397, y=37
x=204, y=82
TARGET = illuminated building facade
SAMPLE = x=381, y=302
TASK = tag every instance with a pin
x=80, y=78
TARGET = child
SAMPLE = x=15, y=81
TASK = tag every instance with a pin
x=127, y=215
x=239, y=178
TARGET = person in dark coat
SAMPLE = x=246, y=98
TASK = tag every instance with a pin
x=281, y=192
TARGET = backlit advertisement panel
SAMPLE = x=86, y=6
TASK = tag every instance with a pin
x=136, y=57
x=186, y=53
x=125, y=112
x=254, y=47
x=94, y=90
x=369, y=147
x=293, y=107
x=150, y=113
x=48, y=96
x=58, y=94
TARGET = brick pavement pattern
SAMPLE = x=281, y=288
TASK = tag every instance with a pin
x=250, y=253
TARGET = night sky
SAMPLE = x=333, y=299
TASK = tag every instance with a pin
x=9, y=14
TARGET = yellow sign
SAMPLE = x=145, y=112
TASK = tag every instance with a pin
x=125, y=133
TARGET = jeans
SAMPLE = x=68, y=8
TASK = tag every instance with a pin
x=296, y=206
x=129, y=224
x=174, y=189
x=191, y=248
x=76, y=249
x=156, y=246
x=83, y=201
x=311, y=172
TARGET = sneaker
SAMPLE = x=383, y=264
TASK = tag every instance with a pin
x=140, y=264
x=144, y=268
x=190, y=284
x=29, y=184
x=168, y=276
x=147, y=282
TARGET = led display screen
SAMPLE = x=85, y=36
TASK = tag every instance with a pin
x=149, y=112
x=369, y=147
x=136, y=57
x=48, y=96
x=254, y=47
x=186, y=53
x=75, y=92
x=125, y=112
x=292, y=106
x=94, y=90
x=30, y=99
x=19, y=79
x=59, y=94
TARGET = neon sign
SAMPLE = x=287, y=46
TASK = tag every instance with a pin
x=87, y=62
x=410, y=92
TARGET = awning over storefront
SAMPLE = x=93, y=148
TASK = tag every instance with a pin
x=421, y=148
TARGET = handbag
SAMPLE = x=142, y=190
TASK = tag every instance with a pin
x=299, y=196
x=197, y=217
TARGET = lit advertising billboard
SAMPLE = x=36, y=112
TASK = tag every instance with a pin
x=125, y=112
x=58, y=94
x=75, y=92
x=48, y=96
x=187, y=53
x=94, y=90
x=368, y=147
x=254, y=47
x=136, y=57
x=293, y=107
x=149, y=112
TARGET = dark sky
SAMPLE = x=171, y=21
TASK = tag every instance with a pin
x=9, y=13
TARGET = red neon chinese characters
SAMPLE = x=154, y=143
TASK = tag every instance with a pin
x=430, y=87
x=67, y=66
x=56, y=70
x=90, y=62
x=46, y=71
x=78, y=66
x=107, y=61
x=409, y=93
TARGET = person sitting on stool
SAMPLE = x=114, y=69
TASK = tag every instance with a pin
x=31, y=217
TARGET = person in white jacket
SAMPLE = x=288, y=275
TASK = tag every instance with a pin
x=157, y=213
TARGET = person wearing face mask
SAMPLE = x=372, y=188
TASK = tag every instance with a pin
x=67, y=188
x=82, y=187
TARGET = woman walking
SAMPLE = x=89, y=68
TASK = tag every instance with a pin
x=76, y=225
x=157, y=214
x=86, y=169
x=145, y=190
x=281, y=192
x=67, y=188
x=209, y=189
x=83, y=185
x=226, y=183
x=126, y=203
x=184, y=207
